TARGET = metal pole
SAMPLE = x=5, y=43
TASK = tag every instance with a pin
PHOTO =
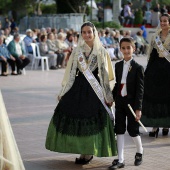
x=103, y=14
x=91, y=12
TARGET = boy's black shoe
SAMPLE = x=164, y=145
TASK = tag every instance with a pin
x=116, y=165
x=138, y=159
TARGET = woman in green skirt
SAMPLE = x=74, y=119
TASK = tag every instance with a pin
x=81, y=123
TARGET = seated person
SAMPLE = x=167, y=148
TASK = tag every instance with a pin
x=6, y=57
x=44, y=51
x=141, y=44
x=70, y=40
x=28, y=40
x=63, y=47
x=52, y=47
x=51, y=43
x=17, y=51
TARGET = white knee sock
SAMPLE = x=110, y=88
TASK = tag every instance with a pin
x=120, y=147
x=138, y=143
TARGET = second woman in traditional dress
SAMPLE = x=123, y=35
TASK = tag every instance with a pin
x=156, y=102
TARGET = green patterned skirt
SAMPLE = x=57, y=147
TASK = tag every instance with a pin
x=101, y=144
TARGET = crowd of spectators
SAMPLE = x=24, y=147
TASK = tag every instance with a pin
x=110, y=39
x=57, y=45
x=16, y=49
x=150, y=14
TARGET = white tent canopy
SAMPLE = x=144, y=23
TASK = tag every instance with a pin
x=46, y=2
x=92, y=3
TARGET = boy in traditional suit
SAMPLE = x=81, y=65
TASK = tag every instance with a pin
x=128, y=90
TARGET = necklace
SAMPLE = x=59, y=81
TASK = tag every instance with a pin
x=87, y=56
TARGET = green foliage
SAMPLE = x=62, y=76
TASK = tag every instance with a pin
x=88, y=10
x=48, y=9
x=138, y=17
x=164, y=2
x=161, y=2
x=5, y=6
x=109, y=24
x=98, y=1
x=107, y=3
x=30, y=11
x=69, y=6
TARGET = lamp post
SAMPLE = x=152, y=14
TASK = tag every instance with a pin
x=91, y=12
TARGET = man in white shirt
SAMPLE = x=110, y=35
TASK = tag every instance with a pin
x=16, y=50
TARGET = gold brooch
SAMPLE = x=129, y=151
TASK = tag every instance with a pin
x=130, y=68
x=159, y=43
x=81, y=59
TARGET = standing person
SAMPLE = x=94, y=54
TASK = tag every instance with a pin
x=13, y=25
x=144, y=31
x=121, y=15
x=148, y=4
x=100, y=14
x=7, y=23
x=80, y=123
x=128, y=15
x=155, y=15
x=164, y=9
x=128, y=90
x=156, y=103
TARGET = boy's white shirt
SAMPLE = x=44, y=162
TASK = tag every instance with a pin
x=126, y=67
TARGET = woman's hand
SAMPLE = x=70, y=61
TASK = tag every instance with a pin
x=138, y=115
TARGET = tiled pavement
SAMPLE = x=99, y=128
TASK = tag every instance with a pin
x=30, y=100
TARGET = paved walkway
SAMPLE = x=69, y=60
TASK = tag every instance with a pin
x=30, y=101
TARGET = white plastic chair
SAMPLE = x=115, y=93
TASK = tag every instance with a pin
x=8, y=40
x=37, y=57
x=22, y=36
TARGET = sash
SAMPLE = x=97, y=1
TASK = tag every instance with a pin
x=94, y=84
x=164, y=52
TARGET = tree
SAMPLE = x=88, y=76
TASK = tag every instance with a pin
x=162, y=2
x=138, y=17
x=5, y=6
x=22, y=7
x=69, y=6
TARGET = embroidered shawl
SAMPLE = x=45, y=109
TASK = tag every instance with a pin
x=100, y=59
x=166, y=43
